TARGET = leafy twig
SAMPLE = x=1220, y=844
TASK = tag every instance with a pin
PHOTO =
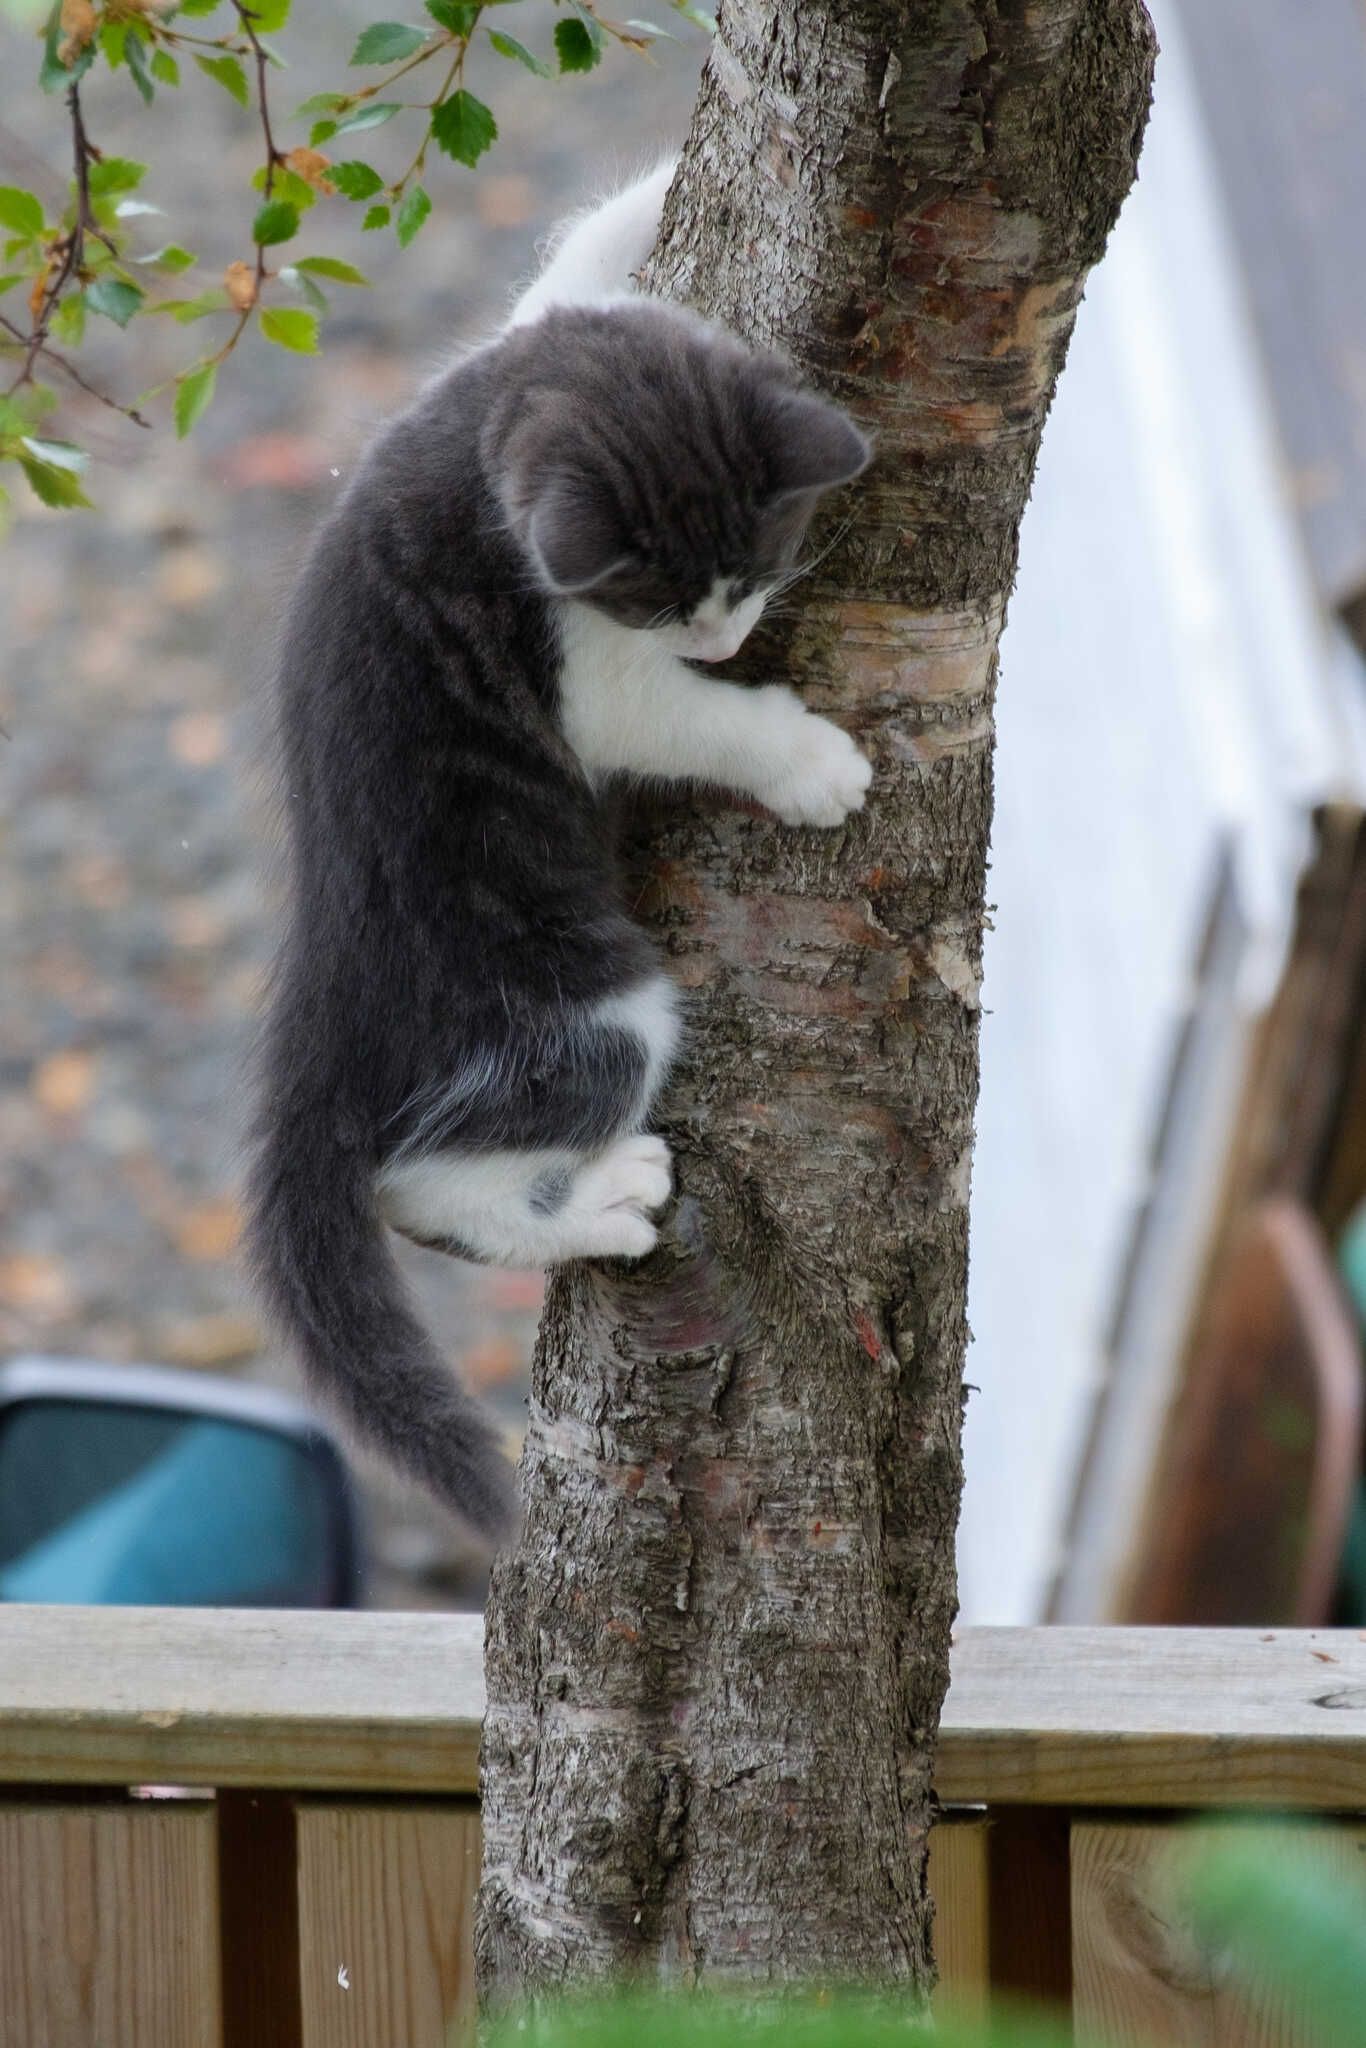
x=71, y=246
x=54, y=248
x=273, y=156
x=273, y=159
x=49, y=354
x=454, y=77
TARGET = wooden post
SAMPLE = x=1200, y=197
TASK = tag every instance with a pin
x=386, y=1924
x=109, y=1925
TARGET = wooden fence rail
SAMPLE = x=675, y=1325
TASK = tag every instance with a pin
x=252, y=1830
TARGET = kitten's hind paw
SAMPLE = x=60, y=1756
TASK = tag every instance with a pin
x=635, y=1173
x=613, y=1199
x=818, y=776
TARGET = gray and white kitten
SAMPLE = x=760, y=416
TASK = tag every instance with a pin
x=466, y=1033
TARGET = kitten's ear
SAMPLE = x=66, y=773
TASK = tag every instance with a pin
x=816, y=446
x=574, y=538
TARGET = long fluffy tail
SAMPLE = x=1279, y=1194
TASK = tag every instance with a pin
x=317, y=1246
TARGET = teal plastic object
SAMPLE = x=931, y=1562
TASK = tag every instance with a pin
x=215, y=1515
x=1352, y=1262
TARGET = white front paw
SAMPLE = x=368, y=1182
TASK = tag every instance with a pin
x=817, y=776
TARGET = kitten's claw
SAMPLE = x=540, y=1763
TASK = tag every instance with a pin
x=818, y=775
x=615, y=1196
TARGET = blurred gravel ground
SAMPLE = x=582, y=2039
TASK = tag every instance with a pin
x=135, y=650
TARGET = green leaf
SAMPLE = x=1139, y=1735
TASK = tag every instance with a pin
x=651, y=28
x=115, y=174
x=114, y=298
x=698, y=16
x=113, y=40
x=333, y=267
x=53, y=485
x=355, y=180
x=192, y=395
x=183, y=311
x=11, y=279
x=137, y=66
x=412, y=212
x=575, y=47
x=464, y=127
x=268, y=17
x=452, y=14
x=192, y=8
x=61, y=454
x=590, y=21
x=321, y=103
x=291, y=329
x=68, y=322
x=227, y=72
x=305, y=285
x=508, y=46
x=165, y=68
x=388, y=42
x=286, y=184
x=53, y=75
x=372, y=115
x=321, y=131
x=276, y=221
x=170, y=257
x=20, y=211
x=377, y=217
x=37, y=400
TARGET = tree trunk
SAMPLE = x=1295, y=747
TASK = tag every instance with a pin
x=717, y=1656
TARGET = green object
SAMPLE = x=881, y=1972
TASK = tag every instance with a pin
x=1351, y=1600
x=797, y=2019
x=1352, y=1262
x=1288, y=1925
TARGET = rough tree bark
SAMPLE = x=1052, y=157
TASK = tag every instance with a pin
x=717, y=1656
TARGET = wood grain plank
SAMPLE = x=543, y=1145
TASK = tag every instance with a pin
x=386, y=1924
x=217, y=1696
x=109, y=1926
x=1193, y=1718
x=391, y=1703
x=958, y=1884
x=1141, y=1979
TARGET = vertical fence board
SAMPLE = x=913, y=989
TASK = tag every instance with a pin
x=1141, y=1976
x=386, y=1924
x=959, y=1875
x=109, y=1926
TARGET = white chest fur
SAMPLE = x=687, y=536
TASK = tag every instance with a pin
x=620, y=694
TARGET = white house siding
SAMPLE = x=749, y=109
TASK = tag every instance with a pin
x=1167, y=709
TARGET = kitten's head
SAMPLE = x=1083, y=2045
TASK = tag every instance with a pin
x=655, y=468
